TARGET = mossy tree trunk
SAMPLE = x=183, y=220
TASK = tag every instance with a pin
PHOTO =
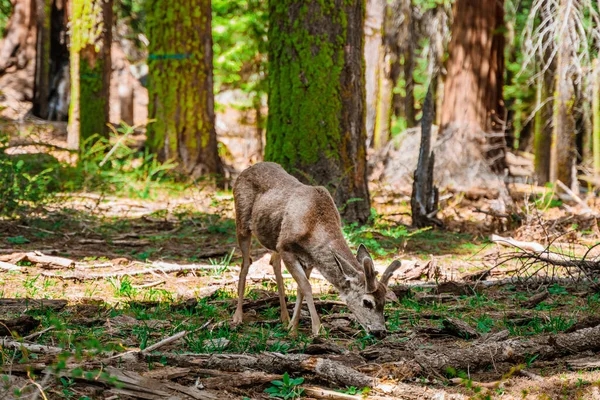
x=91, y=23
x=473, y=88
x=316, y=124
x=180, y=86
x=564, y=151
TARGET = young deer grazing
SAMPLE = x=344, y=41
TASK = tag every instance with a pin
x=301, y=226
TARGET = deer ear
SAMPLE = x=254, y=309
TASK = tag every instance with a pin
x=390, y=296
x=362, y=253
x=345, y=269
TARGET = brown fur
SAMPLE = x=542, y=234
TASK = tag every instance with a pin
x=301, y=225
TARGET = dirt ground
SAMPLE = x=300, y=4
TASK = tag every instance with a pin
x=144, y=270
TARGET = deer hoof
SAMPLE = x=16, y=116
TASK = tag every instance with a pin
x=237, y=319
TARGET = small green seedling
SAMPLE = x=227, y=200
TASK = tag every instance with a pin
x=287, y=388
x=17, y=240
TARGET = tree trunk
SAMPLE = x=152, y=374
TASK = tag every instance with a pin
x=563, y=139
x=18, y=45
x=408, y=52
x=596, y=118
x=424, y=198
x=373, y=54
x=41, y=87
x=180, y=87
x=51, y=80
x=389, y=72
x=473, y=89
x=91, y=37
x=543, y=129
x=126, y=98
x=316, y=124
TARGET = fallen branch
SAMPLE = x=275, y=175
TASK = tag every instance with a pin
x=584, y=363
x=39, y=258
x=149, y=285
x=164, y=342
x=32, y=348
x=320, y=393
x=540, y=253
x=9, y=267
x=79, y=276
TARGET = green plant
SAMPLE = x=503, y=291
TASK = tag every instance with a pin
x=17, y=240
x=352, y=390
x=287, y=388
x=557, y=289
x=21, y=185
x=117, y=168
x=123, y=287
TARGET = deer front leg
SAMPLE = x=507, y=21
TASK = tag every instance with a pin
x=244, y=242
x=276, y=263
x=293, y=326
x=304, y=290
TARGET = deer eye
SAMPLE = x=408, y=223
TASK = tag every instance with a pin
x=368, y=304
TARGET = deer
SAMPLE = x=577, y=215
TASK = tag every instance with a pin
x=301, y=226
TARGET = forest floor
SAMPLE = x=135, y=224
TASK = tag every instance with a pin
x=89, y=285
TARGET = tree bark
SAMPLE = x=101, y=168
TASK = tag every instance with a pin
x=51, y=80
x=316, y=124
x=424, y=198
x=18, y=46
x=596, y=118
x=91, y=37
x=389, y=72
x=408, y=52
x=41, y=87
x=181, y=98
x=563, y=139
x=473, y=88
x=373, y=54
x=543, y=129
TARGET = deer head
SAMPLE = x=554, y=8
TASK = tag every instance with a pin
x=364, y=294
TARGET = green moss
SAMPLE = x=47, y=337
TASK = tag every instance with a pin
x=180, y=81
x=305, y=102
x=93, y=103
x=88, y=92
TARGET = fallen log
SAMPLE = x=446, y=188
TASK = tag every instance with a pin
x=246, y=378
x=20, y=326
x=21, y=305
x=482, y=354
x=81, y=276
x=273, y=363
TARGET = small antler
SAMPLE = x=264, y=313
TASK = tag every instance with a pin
x=389, y=271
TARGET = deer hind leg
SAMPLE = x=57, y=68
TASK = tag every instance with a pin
x=244, y=241
x=304, y=291
x=276, y=264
